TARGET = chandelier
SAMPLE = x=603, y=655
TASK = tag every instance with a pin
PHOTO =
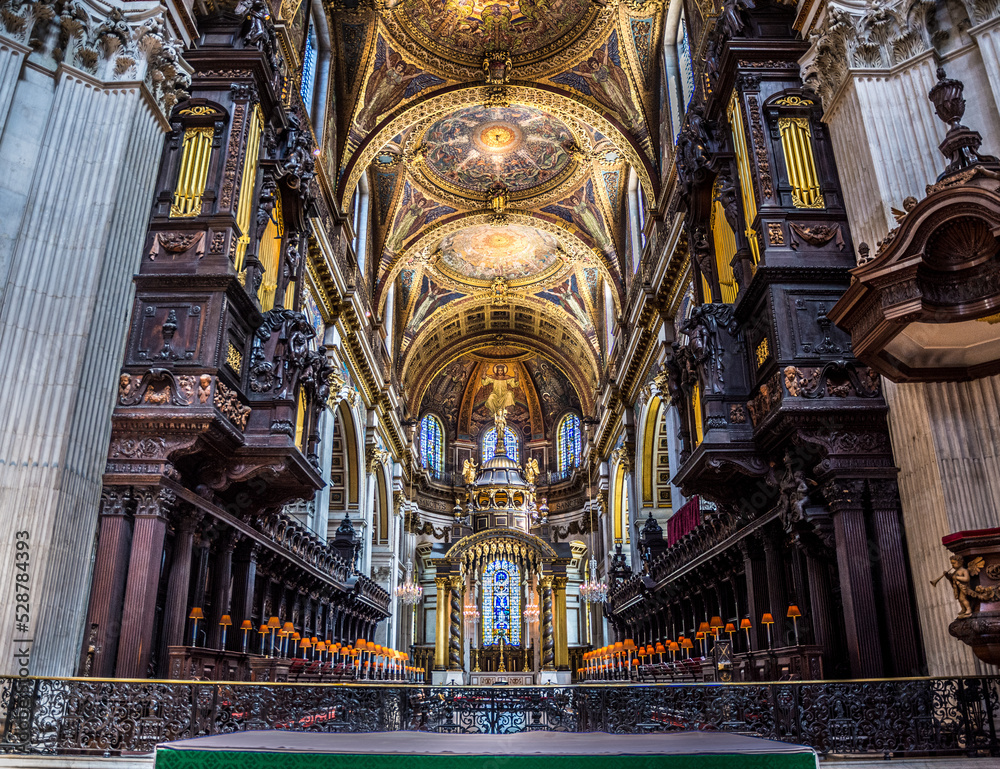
x=531, y=612
x=409, y=592
x=471, y=613
x=592, y=590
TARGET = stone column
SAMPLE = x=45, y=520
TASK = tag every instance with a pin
x=78, y=162
x=441, y=633
x=244, y=580
x=222, y=590
x=818, y=575
x=561, y=628
x=455, y=625
x=897, y=590
x=107, y=590
x=856, y=587
x=548, y=642
x=136, y=642
x=179, y=581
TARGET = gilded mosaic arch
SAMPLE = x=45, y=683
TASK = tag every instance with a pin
x=582, y=377
x=547, y=97
x=421, y=249
x=544, y=60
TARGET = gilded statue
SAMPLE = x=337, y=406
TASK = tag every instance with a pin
x=469, y=471
x=531, y=471
x=960, y=575
x=500, y=420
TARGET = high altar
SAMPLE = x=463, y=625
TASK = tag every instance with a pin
x=503, y=562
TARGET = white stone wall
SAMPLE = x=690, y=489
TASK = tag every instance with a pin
x=885, y=136
x=79, y=153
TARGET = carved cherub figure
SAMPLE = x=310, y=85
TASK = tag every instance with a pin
x=960, y=575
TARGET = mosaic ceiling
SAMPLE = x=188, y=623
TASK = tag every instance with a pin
x=466, y=29
x=479, y=254
x=477, y=147
x=499, y=210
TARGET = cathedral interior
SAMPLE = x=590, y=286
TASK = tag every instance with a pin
x=511, y=343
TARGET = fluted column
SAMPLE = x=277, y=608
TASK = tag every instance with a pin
x=244, y=580
x=896, y=586
x=441, y=633
x=222, y=590
x=548, y=642
x=777, y=597
x=818, y=576
x=455, y=625
x=176, y=609
x=757, y=599
x=856, y=587
x=136, y=642
x=108, y=587
x=76, y=205
x=561, y=627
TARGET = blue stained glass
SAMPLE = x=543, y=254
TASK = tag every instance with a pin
x=490, y=444
x=502, y=602
x=684, y=61
x=431, y=441
x=568, y=447
x=309, y=70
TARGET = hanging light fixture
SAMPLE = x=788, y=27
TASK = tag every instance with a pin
x=409, y=592
x=531, y=611
x=594, y=591
x=471, y=614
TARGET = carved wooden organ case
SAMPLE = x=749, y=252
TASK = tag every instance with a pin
x=223, y=379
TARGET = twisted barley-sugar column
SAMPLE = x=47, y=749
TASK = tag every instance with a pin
x=548, y=642
x=455, y=635
x=441, y=634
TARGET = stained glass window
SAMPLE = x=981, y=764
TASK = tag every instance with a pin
x=502, y=602
x=309, y=70
x=431, y=439
x=568, y=442
x=490, y=444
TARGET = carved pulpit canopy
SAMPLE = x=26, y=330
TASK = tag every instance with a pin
x=926, y=307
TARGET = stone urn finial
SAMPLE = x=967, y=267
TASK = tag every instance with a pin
x=961, y=144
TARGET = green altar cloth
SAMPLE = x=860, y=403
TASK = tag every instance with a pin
x=525, y=750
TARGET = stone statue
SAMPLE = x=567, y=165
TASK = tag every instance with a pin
x=469, y=471
x=531, y=471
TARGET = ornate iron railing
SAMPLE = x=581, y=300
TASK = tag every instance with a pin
x=935, y=716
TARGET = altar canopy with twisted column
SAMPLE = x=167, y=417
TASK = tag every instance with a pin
x=503, y=562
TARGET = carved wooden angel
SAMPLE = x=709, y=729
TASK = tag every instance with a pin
x=960, y=575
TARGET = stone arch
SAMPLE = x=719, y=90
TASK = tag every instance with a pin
x=578, y=246
x=544, y=96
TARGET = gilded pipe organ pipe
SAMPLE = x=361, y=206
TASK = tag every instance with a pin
x=800, y=163
x=746, y=175
x=193, y=174
x=244, y=208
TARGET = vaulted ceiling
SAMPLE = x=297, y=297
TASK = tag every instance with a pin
x=498, y=140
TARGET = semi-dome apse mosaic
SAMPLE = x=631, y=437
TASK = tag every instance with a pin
x=482, y=253
x=475, y=147
x=465, y=29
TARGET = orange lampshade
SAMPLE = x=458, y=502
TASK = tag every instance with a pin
x=360, y=643
x=629, y=644
x=687, y=643
x=730, y=628
x=660, y=648
x=745, y=624
x=248, y=625
x=296, y=636
x=619, y=646
x=196, y=613
x=703, y=628
x=274, y=623
x=263, y=630
x=767, y=619
x=674, y=646
x=226, y=620
x=716, y=622
x=320, y=647
x=305, y=643
x=793, y=611
x=699, y=636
